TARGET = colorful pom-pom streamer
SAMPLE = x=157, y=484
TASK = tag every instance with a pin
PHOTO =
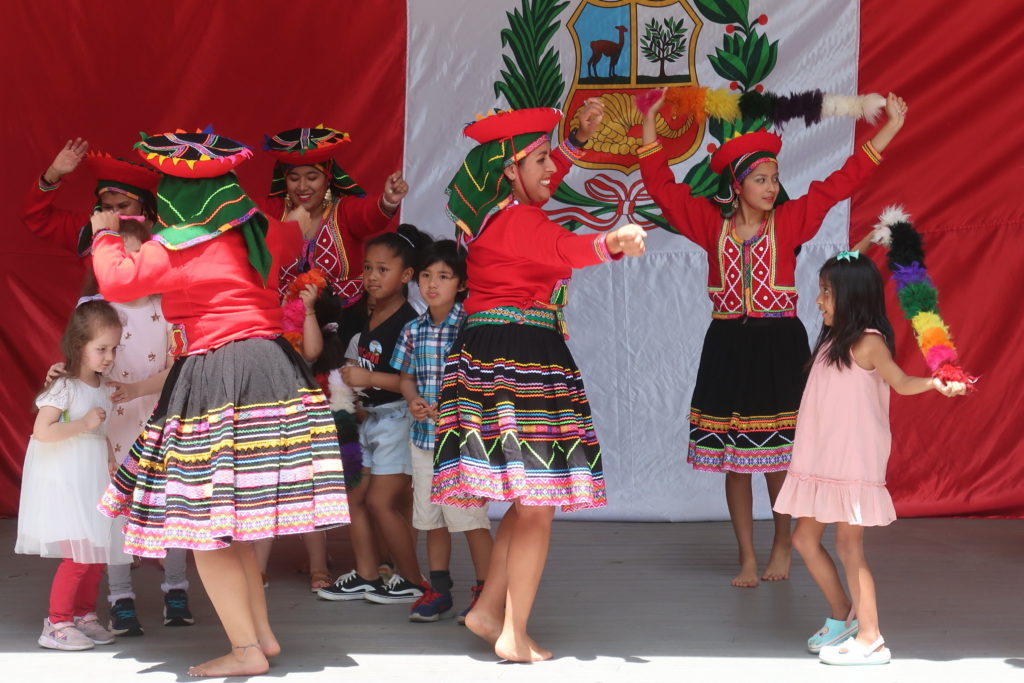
x=721, y=103
x=918, y=296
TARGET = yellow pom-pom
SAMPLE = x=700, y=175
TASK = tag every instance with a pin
x=722, y=104
x=925, y=320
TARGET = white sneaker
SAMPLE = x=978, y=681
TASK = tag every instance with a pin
x=93, y=630
x=64, y=636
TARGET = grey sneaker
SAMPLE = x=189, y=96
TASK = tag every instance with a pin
x=64, y=636
x=90, y=626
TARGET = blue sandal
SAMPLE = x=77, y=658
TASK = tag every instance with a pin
x=833, y=632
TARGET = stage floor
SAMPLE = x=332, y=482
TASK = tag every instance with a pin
x=619, y=602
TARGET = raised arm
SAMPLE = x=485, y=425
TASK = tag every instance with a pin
x=39, y=214
x=695, y=218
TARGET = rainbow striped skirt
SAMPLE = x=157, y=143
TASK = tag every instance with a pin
x=514, y=422
x=241, y=446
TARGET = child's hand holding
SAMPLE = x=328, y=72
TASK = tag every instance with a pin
x=949, y=389
x=94, y=418
x=356, y=376
x=419, y=409
x=308, y=295
x=104, y=220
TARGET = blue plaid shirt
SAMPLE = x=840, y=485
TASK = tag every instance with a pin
x=421, y=350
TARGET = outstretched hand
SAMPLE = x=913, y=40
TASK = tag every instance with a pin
x=895, y=110
x=628, y=240
x=591, y=114
x=652, y=113
x=67, y=159
x=395, y=189
x=949, y=389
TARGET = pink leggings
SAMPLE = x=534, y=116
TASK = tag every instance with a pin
x=74, y=590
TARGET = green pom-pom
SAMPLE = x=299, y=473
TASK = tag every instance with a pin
x=917, y=297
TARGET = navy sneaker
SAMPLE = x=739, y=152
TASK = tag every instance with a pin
x=123, y=619
x=176, y=612
x=475, y=592
x=349, y=586
x=431, y=607
x=395, y=591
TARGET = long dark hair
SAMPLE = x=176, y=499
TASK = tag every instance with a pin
x=858, y=297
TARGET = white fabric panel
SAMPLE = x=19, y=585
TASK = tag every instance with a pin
x=637, y=326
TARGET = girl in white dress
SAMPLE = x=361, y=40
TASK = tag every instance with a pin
x=67, y=468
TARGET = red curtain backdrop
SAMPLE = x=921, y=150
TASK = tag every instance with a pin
x=106, y=71
x=956, y=167
x=263, y=66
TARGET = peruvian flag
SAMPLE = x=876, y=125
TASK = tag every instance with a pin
x=403, y=77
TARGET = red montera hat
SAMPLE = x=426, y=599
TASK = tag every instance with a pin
x=730, y=151
x=505, y=124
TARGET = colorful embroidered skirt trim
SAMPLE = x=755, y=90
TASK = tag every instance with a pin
x=743, y=413
x=241, y=446
x=515, y=423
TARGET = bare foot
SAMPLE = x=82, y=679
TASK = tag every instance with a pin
x=747, y=578
x=241, y=661
x=485, y=625
x=778, y=564
x=523, y=649
x=268, y=643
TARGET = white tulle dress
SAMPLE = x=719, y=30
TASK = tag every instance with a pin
x=62, y=482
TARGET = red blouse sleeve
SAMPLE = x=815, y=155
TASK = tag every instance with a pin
x=799, y=219
x=363, y=216
x=695, y=218
x=528, y=234
x=46, y=221
x=125, y=277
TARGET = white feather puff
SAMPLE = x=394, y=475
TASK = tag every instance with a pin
x=867, y=107
x=882, y=233
x=342, y=395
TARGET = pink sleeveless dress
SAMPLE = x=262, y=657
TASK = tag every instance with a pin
x=841, y=448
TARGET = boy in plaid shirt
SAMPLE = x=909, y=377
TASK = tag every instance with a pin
x=419, y=357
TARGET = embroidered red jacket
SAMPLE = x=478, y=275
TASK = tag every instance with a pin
x=521, y=256
x=754, y=278
x=337, y=247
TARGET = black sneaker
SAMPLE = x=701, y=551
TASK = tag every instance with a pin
x=123, y=620
x=349, y=586
x=176, y=612
x=396, y=590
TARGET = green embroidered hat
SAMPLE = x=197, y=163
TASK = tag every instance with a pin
x=480, y=189
x=198, y=199
x=314, y=147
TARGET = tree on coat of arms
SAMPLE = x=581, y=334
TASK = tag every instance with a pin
x=664, y=42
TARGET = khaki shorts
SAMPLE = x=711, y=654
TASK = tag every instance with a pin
x=427, y=515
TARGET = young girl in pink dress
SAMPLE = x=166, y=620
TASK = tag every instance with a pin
x=837, y=474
